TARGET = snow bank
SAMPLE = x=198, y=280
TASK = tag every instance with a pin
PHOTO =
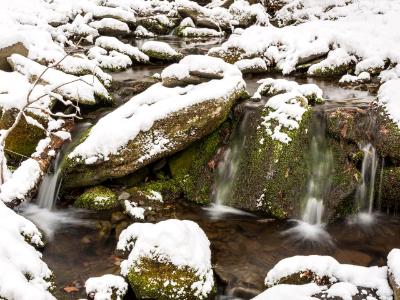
x=23, y=276
x=112, y=60
x=22, y=181
x=104, y=287
x=344, y=28
x=115, y=130
x=325, y=266
x=394, y=265
x=182, y=243
x=389, y=99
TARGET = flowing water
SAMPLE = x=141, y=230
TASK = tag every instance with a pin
x=244, y=247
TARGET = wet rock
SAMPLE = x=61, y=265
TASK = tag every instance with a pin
x=25, y=137
x=17, y=48
x=117, y=217
x=124, y=196
x=390, y=189
x=394, y=272
x=97, y=198
x=159, y=24
x=120, y=227
x=103, y=229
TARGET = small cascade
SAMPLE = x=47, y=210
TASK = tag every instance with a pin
x=227, y=172
x=366, y=190
x=50, y=186
x=319, y=180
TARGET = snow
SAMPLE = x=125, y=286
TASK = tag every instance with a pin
x=110, y=23
x=292, y=292
x=367, y=277
x=18, y=258
x=336, y=58
x=389, y=99
x=112, y=43
x=142, y=32
x=187, y=22
x=115, y=130
x=159, y=47
x=180, y=242
x=103, y=287
x=287, y=105
x=394, y=265
x=344, y=27
x=254, y=63
x=362, y=77
x=200, y=32
x=113, y=60
x=344, y=290
x=133, y=210
x=83, y=89
x=22, y=181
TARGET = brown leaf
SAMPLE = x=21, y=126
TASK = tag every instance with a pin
x=71, y=289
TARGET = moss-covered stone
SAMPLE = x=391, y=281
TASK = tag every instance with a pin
x=395, y=287
x=155, y=25
x=180, y=128
x=151, y=279
x=97, y=198
x=23, y=140
x=168, y=188
x=335, y=71
x=191, y=169
x=162, y=56
x=390, y=189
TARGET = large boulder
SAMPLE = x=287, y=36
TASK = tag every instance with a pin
x=156, y=123
x=16, y=48
x=167, y=260
x=280, y=155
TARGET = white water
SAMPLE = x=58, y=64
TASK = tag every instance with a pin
x=366, y=190
x=319, y=182
x=50, y=186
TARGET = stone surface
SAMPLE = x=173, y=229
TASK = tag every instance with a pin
x=17, y=48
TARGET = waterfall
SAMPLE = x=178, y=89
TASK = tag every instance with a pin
x=366, y=190
x=49, y=188
x=319, y=180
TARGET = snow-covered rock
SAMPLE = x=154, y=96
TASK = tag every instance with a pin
x=394, y=272
x=110, y=26
x=255, y=65
x=160, y=51
x=193, y=32
x=111, y=43
x=110, y=60
x=6, y=49
x=325, y=270
x=23, y=275
x=106, y=287
x=389, y=99
x=158, y=122
x=85, y=89
x=170, y=259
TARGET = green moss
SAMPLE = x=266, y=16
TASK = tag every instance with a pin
x=97, y=198
x=168, y=188
x=190, y=169
x=24, y=138
x=151, y=279
x=333, y=71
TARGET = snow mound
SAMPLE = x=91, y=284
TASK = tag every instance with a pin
x=292, y=292
x=182, y=243
x=159, y=47
x=104, y=287
x=389, y=99
x=24, y=276
x=394, y=265
x=325, y=266
x=112, y=43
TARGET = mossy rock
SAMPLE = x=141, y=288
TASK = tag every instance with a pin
x=395, y=287
x=152, y=24
x=191, y=170
x=169, y=189
x=97, y=198
x=336, y=71
x=230, y=55
x=390, y=189
x=180, y=128
x=23, y=140
x=162, y=56
x=273, y=176
x=151, y=279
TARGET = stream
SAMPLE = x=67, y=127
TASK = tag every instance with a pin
x=244, y=247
